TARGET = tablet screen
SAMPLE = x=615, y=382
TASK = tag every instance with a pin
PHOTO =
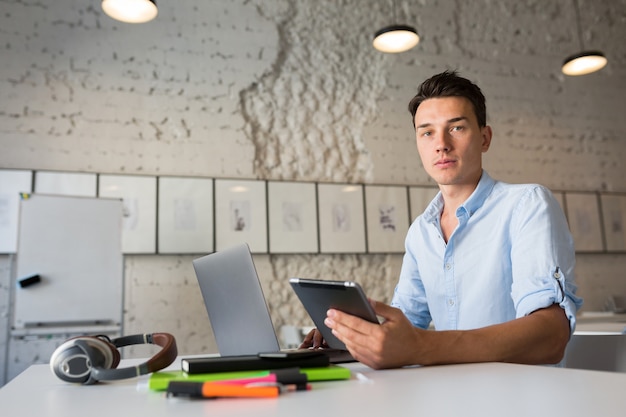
x=317, y=296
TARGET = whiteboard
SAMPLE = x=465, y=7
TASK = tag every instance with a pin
x=74, y=244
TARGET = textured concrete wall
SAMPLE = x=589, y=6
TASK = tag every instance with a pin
x=285, y=89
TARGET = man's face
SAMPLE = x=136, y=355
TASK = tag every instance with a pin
x=449, y=141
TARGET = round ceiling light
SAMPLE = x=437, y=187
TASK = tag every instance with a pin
x=131, y=11
x=584, y=63
x=396, y=38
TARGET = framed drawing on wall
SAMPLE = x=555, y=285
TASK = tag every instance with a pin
x=419, y=198
x=241, y=214
x=78, y=184
x=614, y=218
x=387, y=214
x=292, y=217
x=185, y=215
x=583, y=217
x=342, y=218
x=12, y=183
x=138, y=194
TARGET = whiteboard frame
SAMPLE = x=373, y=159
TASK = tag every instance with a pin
x=78, y=259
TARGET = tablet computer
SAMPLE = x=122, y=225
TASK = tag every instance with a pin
x=317, y=296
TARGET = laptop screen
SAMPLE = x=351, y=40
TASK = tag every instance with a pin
x=235, y=302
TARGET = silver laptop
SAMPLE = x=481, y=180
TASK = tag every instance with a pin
x=235, y=303
x=236, y=306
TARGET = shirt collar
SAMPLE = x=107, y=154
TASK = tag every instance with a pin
x=480, y=194
x=473, y=203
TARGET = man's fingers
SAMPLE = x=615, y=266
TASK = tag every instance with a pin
x=313, y=339
x=348, y=328
x=307, y=342
x=385, y=311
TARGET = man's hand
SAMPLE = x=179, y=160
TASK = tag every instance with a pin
x=386, y=345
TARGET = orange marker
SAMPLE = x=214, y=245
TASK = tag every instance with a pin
x=213, y=390
x=216, y=390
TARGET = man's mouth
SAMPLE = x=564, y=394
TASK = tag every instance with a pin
x=444, y=163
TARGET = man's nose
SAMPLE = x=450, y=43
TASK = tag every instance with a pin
x=443, y=142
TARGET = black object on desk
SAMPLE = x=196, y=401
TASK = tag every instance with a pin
x=260, y=362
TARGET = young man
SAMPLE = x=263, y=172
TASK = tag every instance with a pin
x=491, y=264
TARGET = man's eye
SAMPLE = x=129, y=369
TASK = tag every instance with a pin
x=457, y=128
x=427, y=133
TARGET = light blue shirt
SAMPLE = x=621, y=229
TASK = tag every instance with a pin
x=511, y=254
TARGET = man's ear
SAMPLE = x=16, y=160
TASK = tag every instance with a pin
x=486, y=133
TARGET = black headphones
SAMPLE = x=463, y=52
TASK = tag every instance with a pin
x=89, y=359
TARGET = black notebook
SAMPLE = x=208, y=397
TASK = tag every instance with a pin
x=260, y=362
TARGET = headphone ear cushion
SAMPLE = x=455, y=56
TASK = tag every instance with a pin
x=74, y=359
x=113, y=351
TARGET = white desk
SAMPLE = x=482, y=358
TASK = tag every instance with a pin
x=491, y=389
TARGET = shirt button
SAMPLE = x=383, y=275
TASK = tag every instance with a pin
x=448, y=266
x=451, y=302
x=557, y=275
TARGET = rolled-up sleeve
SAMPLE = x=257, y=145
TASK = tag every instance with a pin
x=543, y=257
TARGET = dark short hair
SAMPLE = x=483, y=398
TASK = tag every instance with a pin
x=450, y=84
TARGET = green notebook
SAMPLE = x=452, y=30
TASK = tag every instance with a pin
x=160, y=380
